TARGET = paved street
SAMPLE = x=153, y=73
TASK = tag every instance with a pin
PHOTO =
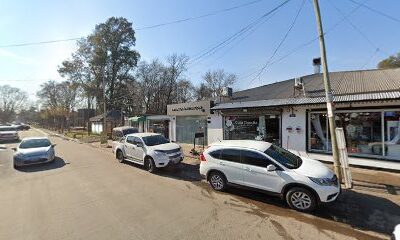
x=87, y=194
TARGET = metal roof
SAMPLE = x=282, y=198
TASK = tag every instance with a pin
x=305, y=101
x=342, y=83
x=362, y=85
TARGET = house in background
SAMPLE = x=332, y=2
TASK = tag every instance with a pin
x=293, y=114
x=114, y=119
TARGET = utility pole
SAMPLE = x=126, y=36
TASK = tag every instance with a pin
x=328, y=92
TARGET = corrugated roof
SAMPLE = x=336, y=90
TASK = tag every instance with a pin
x=305, y=100
x=342, y=83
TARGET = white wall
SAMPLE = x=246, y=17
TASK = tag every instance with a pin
x=97, y=127
x=294, y=140
x=172, y=129
x=215, y=128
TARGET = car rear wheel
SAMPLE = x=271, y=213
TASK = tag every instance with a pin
x=217, y=181
x=120, y=156
x=301, y=199
x=150, y=165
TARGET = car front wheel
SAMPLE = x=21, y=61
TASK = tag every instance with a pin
x=301, y=199
x=150, y=165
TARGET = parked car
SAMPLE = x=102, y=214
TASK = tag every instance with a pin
x=34, y=150
x=149, y=149
x=8, y=133
x=302, y=182
x=119, y=133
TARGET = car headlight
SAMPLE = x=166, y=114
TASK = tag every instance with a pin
x=321, y=181
x=158, y=152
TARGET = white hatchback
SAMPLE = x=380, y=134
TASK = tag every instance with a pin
x=303, y=182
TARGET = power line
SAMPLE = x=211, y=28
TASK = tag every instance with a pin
x=198, y=17
x=305, y=44
x=280, y=43
x=139, y=28
x=376, y=11
x=357, y=29
x=208, y=52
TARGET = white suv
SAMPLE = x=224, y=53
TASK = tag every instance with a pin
x=304, y=183
x=149, y=149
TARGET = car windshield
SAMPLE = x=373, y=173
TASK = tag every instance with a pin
x=155, y=140
x=284, y=157
x=34, y=143
x=129, y=131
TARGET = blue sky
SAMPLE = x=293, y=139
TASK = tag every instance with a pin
x=33, y=21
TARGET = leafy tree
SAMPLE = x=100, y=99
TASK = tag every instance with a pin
x=106, y=54
x=11, y=100
x=390, y=62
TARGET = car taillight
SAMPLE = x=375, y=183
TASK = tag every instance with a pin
x=202, y=158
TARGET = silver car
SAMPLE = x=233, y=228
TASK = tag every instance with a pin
x=34, y=150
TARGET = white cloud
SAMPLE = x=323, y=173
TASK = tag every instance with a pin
x=15, y=57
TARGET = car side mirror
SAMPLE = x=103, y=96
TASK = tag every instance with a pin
x=14, y=149
x=139, y=144
x=53, y=145
x=271, y=168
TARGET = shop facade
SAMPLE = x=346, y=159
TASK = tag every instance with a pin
x=192, y=119
x=369, y=114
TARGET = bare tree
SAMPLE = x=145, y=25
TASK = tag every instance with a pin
x=11, y=100
x=217, y=80
x=59, y=99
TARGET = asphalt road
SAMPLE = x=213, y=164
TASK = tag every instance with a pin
x=87, y=194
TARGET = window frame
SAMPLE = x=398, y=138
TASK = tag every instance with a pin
x=382, y=112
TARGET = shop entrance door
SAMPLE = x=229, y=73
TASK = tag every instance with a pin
x=272, y=129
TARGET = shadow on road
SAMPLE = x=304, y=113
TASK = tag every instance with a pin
x=359, y=210
x=57, y=163
x=182, y=171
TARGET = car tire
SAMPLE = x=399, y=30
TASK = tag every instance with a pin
x=150, y=165
x=120, y=156
x=217, y=181
x=301, y=199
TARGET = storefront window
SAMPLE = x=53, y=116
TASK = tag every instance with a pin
x=318, y=136
x=367, y=133
x=363, y=132
x=392, y=135
x=243, y=127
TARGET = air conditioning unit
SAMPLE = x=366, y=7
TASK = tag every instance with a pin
x=227, y=92
x=298, y=82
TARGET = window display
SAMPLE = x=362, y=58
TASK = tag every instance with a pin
x=368, y=133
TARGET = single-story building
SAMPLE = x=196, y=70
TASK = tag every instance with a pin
x=114, y=119
x=153, y=123
x=293, y=114
x=192, y=119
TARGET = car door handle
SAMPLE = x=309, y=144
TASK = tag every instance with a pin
x=248, y=169
x=221, y=163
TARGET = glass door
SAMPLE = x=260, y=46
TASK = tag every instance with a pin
x=272, y=129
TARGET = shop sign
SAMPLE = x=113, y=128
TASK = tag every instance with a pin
x=201, y=108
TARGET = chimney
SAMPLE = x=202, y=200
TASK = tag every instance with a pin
x=317, y=65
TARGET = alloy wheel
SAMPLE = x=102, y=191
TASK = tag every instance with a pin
x=301, y=200
x=217, y=182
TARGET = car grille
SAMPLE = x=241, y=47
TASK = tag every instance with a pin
x=35, y=161
x=170, y=151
